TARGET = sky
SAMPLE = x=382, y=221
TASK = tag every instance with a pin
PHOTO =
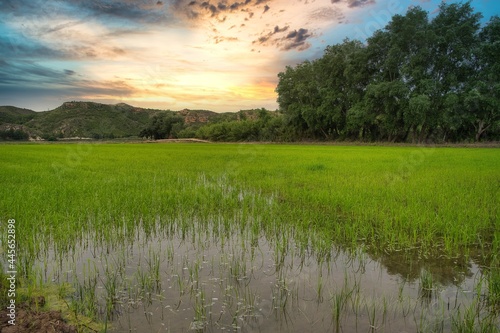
x=219, y=55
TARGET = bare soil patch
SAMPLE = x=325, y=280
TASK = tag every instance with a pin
x=29, y=320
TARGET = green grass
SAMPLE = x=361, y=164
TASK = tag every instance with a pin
x=421, y=202
x=493, y=281
x=392, y=198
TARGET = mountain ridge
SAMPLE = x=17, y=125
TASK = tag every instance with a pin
x=97, y=120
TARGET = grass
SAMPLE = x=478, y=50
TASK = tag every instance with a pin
x=446, y=202
x=415, y=202
x=493, y=280
x=426, y=284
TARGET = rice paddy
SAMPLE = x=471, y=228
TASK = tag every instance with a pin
x=258, y=238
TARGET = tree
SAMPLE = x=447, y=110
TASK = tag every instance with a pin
x=161, y=125
x=455, y=31
x=416, y=79
x=399, y=64
x=298, y=96
x=482, y=98
x=14, y=134
x=316, y=96
x=342, y=79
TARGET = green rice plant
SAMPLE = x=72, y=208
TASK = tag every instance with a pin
x=238, y=268
x=339, y=303
x=427, y=285
x=371, y=311
x=194, y=275
x=319, y=290
x=303, y=201
x=181, y=285
x=200, y=312
x=153, y=263
x=110, y=283
x=85, y=299
x=280, y=297
x=145, y=285
x=470, y=320
x=494, y=288
x=493, y=284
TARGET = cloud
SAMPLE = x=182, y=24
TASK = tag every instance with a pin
x=197, y=9
x=359, y=3
x=22, y=80
x=23, y=47
x=103, y=89
x=134, y=11
x=263, y=39
x=114, y=11
x=327, y=14
x=32, y=76
x=297, y=40
x=27, y=73
x=62, y=26
x=66, y=41
x=24, y=7
x=92, y=49
x=220, y=39
x=277, y=29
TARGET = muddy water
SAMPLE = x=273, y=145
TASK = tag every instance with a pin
x=243, y=282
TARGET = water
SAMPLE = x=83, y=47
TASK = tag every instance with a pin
x=208, y=279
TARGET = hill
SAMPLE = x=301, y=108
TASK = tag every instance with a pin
x=91, y=120
x=96, y=120
x=15, y=115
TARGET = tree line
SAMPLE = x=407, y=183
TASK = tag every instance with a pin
x=416, y=80
x=265, y=126
x=13, y=134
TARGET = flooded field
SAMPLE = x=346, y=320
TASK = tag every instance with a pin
x=210, y=279
x=244, y=238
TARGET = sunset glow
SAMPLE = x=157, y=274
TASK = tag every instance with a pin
x=219, y=55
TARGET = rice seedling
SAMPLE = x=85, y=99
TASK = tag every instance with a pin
x=154, y=269
x=85, y=299
x=339, y=302
x=110, y=282
x=180, y=224
x=200, y=312
x=493, y=281
x=427, y=285
x=372, y=317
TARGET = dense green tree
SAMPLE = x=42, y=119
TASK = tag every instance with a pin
x=455, y=32
x=415, y=80
x=13, y=134
x=162, y=126
x=298, y=96
x=410, y=38
x=316, y=96
x=258, y=125
x=342, y=79
x=482, y=98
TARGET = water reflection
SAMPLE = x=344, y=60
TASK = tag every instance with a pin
x=207, y=278
x=445, y=271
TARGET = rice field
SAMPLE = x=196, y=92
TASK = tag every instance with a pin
x=257, y=238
